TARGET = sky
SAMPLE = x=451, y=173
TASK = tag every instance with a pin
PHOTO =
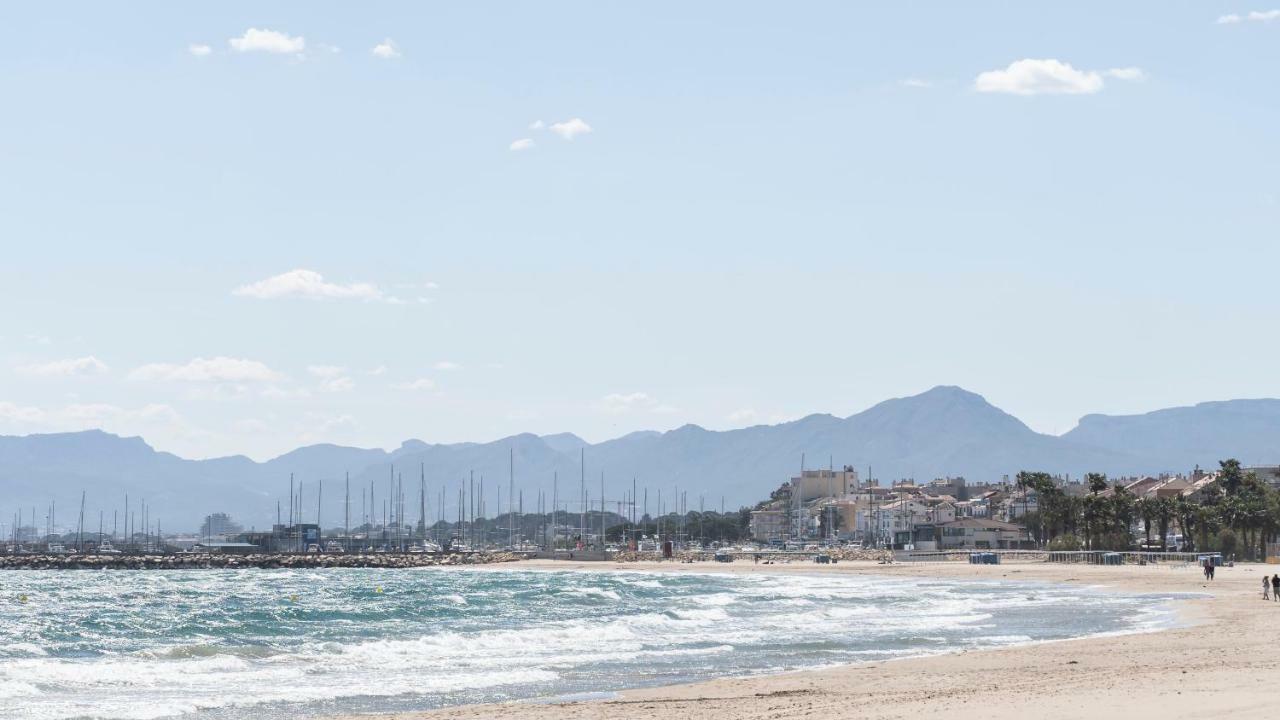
x=241, y=227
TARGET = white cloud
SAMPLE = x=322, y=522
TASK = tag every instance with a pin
x=11, y=413
x=80, y=416
x=316, y=426
x=1262, y=16
x=268, y=41
x=1039, y=77
x=745, y=415
x=521, y=144
x=275, y=391
x=217, y=369
x=199, y=50
x=307, y=284
x=429, y=285
x=333, y=378
x=446, y=365
x=619, y=403
x=569, y=129
x=916, y=83
x=418, y=385
x=623, y=402
x=380, y=370
x=326, y=371
x=1050, y=77
x=1132, y=74
x=251, y=426
x=338, y=384
x=387, y=50
x=537, y=125
x=73, y=367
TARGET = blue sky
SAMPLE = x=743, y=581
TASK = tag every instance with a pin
x=240, y=227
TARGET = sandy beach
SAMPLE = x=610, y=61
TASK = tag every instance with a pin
x=1219, y=661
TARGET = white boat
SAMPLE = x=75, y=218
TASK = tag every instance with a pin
x=106, y=548
x=333, y=546
x=57, y=549
x=313, y=548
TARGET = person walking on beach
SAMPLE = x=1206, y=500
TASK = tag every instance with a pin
x=1275, y=587
x=1212, y=569
x=1266, y=588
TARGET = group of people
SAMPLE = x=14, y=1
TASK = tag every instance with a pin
x=1270, y=585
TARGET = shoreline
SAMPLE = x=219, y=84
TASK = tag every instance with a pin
x=1219, y=657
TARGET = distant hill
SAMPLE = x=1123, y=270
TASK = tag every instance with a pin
x=1179, y=438
x=944, y=431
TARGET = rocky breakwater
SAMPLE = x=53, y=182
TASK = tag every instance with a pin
x=195, y=561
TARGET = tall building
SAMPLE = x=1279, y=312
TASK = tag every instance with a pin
x=219, y=525
x=814, y=484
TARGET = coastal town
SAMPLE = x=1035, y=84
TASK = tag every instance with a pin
x=1231, y=512
x=1011, y=514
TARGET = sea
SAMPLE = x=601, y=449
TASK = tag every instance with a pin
x=275, y=644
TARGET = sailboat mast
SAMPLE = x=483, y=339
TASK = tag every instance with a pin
x=511, y=488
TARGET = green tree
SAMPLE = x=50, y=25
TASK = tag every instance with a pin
x=1163, y=512
x=1123, y=511
x=1147, y=511
x=1230, y=476
x=1185, y=511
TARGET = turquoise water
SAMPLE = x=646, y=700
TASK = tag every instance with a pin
x=288, y=644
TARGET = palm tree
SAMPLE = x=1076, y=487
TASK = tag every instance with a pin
x=1096, y=517
x=1147, y=511
x=1124, y=509
x=1186, y=514
x=1163, y=513
x=1023, y=481
x=1231, y=476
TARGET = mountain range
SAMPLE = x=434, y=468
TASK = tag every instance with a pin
x=946, y=431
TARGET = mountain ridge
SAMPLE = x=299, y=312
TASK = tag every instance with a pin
x=946, y=430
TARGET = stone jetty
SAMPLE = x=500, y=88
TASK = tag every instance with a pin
x=195, y=561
